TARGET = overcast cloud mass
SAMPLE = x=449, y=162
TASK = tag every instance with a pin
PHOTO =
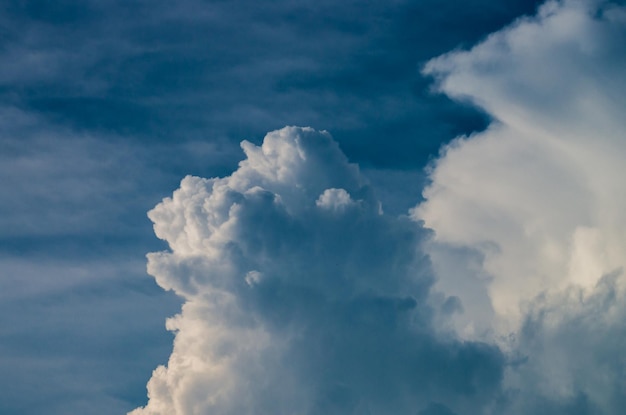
x=453, y=245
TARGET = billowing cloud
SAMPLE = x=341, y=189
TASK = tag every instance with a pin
x=528, y=216
x=302, y=296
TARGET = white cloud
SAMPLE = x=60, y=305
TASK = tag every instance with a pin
x=334, y=199
x=532, y=210
x=301, y=297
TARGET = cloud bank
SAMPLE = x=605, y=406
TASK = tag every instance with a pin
x=302, y=296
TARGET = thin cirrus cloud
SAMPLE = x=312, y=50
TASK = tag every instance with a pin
x=303, y=296
x=197, y=71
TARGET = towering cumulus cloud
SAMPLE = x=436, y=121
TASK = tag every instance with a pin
x=302, y=297
x=530, y=215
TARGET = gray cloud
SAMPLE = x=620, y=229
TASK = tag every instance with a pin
x=573, y=342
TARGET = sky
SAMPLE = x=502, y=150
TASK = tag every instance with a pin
x=297, y=207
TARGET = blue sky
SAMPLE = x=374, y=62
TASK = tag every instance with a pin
x=449, y=223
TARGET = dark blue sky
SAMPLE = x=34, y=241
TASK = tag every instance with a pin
x=106, y=105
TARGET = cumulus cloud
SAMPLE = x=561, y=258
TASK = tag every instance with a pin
x=528, y=216
x=303, y=297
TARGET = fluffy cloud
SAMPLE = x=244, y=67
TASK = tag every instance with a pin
x=529, y=223
x=302, y=296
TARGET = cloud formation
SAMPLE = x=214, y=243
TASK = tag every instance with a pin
x=302, y=296
x=105, y=105
x=529, y=223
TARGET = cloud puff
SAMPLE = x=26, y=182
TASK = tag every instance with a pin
x=529, y=223
x=302, y=297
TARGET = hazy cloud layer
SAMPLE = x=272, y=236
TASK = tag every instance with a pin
x=67, y=325
x=302, y=296
x=225, y=71
x=529, y=215
x=74, y=295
